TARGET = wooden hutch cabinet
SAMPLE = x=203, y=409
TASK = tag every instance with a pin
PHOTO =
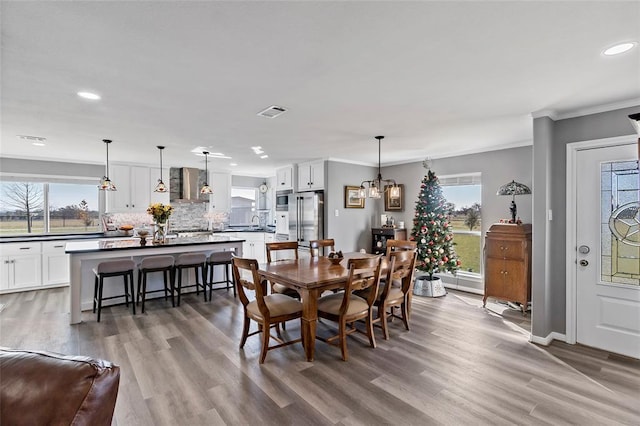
x=507, y=263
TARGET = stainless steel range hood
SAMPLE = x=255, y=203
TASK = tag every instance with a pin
x=184, y=185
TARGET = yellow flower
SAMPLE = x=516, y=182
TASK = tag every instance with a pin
x=160, y=212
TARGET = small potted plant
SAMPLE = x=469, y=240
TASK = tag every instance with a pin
x=160, y=213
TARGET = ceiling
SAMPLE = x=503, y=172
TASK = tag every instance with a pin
x=436, y=78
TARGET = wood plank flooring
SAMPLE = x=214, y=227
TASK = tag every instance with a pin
x=459, y=364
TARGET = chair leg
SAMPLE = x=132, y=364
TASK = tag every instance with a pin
x=126, y=289
x=144, y=290
x=372, y=337
x=405, y=315
x=231, y=281
x=382, y=314
x=245, y=331
x=95, y=293
x=210, y=270
x=203, y=271
x=179, y=273
x=100, y=297
x=132, y=292
x=172, y=282
x=164, y=281
x=265, y=342
x=342, y=330
x=139, y=286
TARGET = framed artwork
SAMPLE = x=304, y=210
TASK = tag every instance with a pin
x=393, y=204
x=351, y=200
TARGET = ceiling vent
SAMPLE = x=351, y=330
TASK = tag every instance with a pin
x=272, y=112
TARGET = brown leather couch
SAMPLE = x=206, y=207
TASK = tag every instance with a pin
x=44, y=388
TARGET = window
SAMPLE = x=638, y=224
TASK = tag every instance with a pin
x=464, y=194
x=243, y=206
x=32, y=206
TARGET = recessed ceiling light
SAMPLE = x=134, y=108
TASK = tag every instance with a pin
x=37, y=144
x=233, y=164
x=264, y=156
x=619, y=48
x=90, y=96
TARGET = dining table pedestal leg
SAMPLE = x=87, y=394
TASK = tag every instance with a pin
x=309, y=320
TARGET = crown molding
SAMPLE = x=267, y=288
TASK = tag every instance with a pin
x=545, y=113
x=595, y=109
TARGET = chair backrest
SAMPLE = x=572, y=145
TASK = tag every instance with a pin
x=316, y=245
x=246, y=277
x=282, y=245
x=401, y=269
x=363, y=273
x=399, y=245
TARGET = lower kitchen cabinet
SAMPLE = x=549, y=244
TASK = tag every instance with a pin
x=55, y=263
x=253, y=247
x=20, y=265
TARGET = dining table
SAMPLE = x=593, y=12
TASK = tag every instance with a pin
x=310, y=277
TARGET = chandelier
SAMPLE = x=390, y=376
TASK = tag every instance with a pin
x=105, y=182
x=376, y=187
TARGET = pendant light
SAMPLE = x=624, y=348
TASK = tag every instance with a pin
x=206, y=189
x=105, y=183
x=160, y=187
x=374, y=188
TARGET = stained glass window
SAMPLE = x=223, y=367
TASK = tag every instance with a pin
x=620, y=222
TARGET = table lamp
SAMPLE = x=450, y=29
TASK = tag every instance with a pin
x=513, y=188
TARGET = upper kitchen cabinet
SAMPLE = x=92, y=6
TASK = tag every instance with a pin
x=284, y=178
x=133, y=189
x=158, y=197
x=221, y=197
x=311, y=175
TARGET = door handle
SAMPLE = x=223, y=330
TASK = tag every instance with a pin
x=584, y=262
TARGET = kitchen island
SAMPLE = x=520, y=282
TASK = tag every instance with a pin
x=85, y=255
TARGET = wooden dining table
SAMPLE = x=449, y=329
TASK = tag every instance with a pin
x=310, y=277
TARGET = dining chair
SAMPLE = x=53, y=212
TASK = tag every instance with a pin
x=345, y=308
x=396, y=245
x=397, y=290
x=291, y=252
x=316, y=245
x=267, y=310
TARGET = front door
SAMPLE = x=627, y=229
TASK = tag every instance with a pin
x=608, y=249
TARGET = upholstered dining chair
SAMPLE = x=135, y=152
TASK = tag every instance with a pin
x=267, y=310
x=396, y=290
x=345, y=308
x=397, y=245
x=316, y=245
x=290, y=249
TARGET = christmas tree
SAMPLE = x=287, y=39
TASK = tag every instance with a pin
x=432, y=231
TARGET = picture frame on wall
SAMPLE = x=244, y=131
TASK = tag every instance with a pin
x=393, y=204
x=351, y=199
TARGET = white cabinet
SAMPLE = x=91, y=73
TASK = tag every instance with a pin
x=133, y=189
x=20, y=265
x=221, y=197
x=282, y=223
x=311, y=176
x=55, y=263
x=253, y=247
x=157, y=197
x=284, y=178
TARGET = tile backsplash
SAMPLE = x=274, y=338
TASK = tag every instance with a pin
x=185, y=217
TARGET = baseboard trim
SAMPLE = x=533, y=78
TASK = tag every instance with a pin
x=463, y=288
x=546, y=341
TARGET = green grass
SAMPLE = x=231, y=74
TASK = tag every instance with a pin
x=71, y=226
x=468, y=250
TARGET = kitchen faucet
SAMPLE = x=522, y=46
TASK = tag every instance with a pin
x=255, y=216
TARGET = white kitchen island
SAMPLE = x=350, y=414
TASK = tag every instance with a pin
x=85, y=255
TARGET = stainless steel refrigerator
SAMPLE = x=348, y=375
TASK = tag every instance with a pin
x=306, y=217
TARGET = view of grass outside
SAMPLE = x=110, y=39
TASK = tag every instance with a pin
x=464, y=200
x=72, y=208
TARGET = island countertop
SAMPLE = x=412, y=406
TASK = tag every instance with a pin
x=86, y=255
x=134, y=243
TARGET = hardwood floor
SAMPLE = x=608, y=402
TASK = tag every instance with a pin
x=459, y=364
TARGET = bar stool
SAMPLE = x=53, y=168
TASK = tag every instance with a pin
x=188, y=261
x=113, y=268
x=223, y=258
x=151, y=264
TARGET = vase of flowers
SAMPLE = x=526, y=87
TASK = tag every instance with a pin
x=160, y=213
